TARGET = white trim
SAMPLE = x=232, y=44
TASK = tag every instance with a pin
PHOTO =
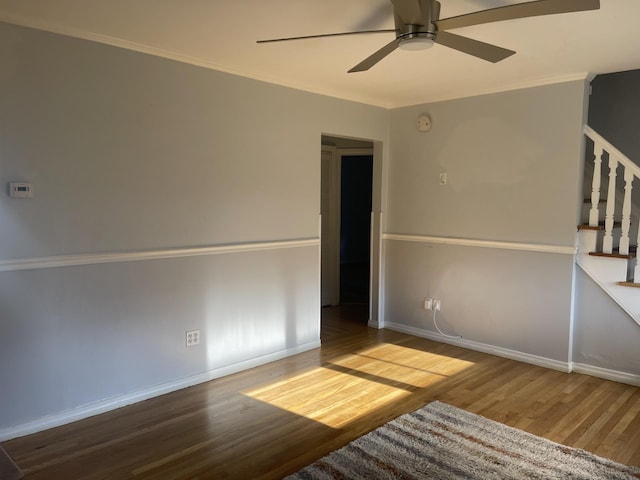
x=528, y=247
x=383, y=270
x=378, y=321
x=355, y=152
x=373, y=320
x=330, y=238
x=113, y=257
x=607, y=374
x=482, y=347
x=572, y=311
x=541, y=82
x=107, y=405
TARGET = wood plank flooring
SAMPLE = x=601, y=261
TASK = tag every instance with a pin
x=271, y=421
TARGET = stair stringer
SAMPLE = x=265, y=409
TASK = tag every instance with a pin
x=607, y=272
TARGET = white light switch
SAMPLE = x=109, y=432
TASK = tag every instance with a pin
x=443, y=179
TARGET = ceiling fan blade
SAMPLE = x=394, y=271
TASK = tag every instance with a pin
x=324, y=35
x=479, y=49
x=520, y=10
x=371, y=60
x=410, y=11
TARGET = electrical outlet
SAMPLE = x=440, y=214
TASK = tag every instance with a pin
x=436, y=305
x=428, y=303
x=193, y=337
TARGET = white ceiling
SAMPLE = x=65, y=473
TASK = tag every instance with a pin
x=221, y=34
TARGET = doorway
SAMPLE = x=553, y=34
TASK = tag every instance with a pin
x=350, y=225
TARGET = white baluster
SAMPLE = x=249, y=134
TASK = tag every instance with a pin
x=595, y=184
x=626, y=212
x=607, y=242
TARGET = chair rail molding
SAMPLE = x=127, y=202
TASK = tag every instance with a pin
x=132, y=256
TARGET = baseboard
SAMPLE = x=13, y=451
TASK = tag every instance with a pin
x=107, y=405
x=608, y=374
x=482, y=347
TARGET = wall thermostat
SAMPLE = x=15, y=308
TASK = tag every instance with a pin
x=20, y=190
x=424, y=123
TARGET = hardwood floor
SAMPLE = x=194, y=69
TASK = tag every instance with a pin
x=273, y=420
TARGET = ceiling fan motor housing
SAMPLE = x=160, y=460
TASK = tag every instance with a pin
x=425, y=28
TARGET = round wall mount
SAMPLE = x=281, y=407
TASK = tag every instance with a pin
x=424, y=123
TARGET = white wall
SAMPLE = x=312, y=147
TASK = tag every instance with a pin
x=129, y=152
x=513, y=163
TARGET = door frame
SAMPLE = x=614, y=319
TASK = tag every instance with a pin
x=330, y=230
x=375, y=236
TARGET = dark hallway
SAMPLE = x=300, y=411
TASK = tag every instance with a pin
x=355, y=228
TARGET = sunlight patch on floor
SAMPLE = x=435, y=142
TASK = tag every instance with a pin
x=354, y=385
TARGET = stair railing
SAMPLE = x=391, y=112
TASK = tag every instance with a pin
x=631, y=171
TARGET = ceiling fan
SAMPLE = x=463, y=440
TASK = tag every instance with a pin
x=418, y=26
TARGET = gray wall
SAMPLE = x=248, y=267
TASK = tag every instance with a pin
x=613, y=110
x=512, y=160
x=605, y=335
x=514, y=165
x=513, y=300
x=75, y=335
x=129, y=152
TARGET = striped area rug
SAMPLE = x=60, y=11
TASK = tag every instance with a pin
x=443, y=442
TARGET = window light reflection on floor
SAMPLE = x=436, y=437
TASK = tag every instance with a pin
x=351, y=386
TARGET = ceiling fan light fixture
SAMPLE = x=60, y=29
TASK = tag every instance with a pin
x=415, y=43
x=417, y=39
